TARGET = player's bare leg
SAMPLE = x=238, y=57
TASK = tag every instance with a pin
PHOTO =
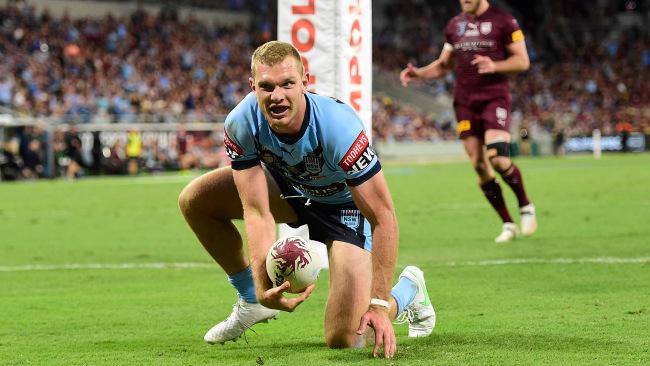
x=474, y=149
x=498, y=142
x=209, y=204
x=349, y=294
x=491, y=189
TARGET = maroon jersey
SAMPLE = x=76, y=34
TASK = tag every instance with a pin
x=488, y=35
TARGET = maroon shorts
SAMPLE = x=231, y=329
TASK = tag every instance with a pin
x=475, y=116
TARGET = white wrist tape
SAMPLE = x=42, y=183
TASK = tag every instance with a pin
x=380, y=302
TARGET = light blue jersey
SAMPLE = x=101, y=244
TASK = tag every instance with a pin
x=331, y=152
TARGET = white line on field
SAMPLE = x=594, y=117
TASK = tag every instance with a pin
x=54, y=267
x=597, y=260
x=492, y=262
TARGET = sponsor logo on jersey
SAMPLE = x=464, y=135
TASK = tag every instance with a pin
x=474, y=45
x=351, y=218
x=460, y=28
x=232, y=149
x=472, y=30
x=464, y=125
x=358, y=156
x=486, y=27
x=322, y=191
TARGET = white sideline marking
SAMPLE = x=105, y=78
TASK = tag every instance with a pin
x=493, y=262
x=597, y=260
x=54, y=267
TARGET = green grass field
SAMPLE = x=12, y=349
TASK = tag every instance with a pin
x=578, y=292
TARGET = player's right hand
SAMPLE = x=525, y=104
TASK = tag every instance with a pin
x=379, y=321
x=273, y=298
x=408, y=74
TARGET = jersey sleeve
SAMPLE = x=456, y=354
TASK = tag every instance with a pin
x=512, y=32
x=353, y=153
x=239, y=141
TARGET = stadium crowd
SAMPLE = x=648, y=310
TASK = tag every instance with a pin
x=157, y=68
x=151, y=68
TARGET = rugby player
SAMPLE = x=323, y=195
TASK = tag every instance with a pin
x=483, y=44
x=301, y=158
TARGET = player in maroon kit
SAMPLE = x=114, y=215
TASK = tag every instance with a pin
x=483, y=44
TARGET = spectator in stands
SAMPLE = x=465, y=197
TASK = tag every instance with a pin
x=116, y=162
x=624, y=128
x=558, y=143
x=73, y=153
x=10, y=162
x=33, y=161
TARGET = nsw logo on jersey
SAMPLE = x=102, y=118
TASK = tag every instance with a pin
x=350, y=218
x=314, y=161
x=232, y=149
x=358, y=156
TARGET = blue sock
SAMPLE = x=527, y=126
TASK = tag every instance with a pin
x=404, y=293
x=243, y=283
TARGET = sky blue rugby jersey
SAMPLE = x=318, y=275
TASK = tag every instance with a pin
x=331, y=152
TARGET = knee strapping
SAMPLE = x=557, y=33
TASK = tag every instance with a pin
x=496, y=149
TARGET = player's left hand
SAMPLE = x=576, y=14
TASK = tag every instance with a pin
x=484, y=64
x=378, y=319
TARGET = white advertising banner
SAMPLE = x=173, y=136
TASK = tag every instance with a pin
x=354, y=57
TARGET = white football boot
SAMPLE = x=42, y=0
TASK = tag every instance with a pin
x=243, y=316
x=419, y=313
x=528, y=219
x=508, y=233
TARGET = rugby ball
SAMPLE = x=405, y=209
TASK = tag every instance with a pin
x=293, y=259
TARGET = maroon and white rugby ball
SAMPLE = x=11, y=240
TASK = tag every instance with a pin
x=293, y=259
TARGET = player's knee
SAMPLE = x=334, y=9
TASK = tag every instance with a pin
x=501, y=164
x=343, y=339
x=187, y=200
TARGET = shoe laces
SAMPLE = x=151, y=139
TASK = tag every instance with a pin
x=407, y=316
